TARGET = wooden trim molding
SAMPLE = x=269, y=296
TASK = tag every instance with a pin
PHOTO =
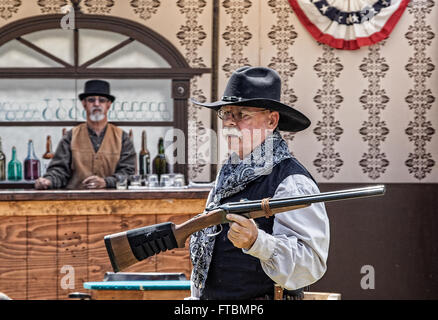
x=60, y=195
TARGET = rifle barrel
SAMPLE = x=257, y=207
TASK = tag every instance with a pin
x=238, y=207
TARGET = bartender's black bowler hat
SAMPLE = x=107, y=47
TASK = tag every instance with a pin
x=97, y=88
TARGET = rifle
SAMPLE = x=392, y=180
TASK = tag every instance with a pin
x=129, y=247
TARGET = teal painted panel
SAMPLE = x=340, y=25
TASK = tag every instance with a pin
x=139, y=285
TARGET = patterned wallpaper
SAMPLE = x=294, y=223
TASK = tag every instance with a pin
x=374, y=111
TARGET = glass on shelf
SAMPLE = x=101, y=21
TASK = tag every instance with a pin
x=47, y=156
x=152, y=180
x=179, y=180
x=2, y=163
x=73, y=111
x=121, y=181
x=32, y=165
x=135, y=180
x=165, y=180
x=144, y=156
x=160, y=164
x=15, y=169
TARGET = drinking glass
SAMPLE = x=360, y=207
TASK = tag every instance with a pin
x=153, y=180
x=165, y=180
x=135, y=180
x=179, y=180
x=121, y=182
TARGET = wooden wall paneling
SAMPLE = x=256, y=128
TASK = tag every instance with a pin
x=72, y=254
x=42, y=257
x=136, y=221
x=13, y=251
x=101, y=207
x=176, y=260
x=98, y=228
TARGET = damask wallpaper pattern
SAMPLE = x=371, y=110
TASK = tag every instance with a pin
x=421, y=98
x=8, y=8
x=374, y=99
x=192, y=35
x=328, y=99
x=52, y=6
x=282, y=36
x=374, y=112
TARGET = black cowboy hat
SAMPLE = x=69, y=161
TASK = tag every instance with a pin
x=259, y=87
x=97, y=88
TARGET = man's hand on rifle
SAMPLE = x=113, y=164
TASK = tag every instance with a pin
x=243, y=232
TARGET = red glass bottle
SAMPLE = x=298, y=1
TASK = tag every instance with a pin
x=32, y=166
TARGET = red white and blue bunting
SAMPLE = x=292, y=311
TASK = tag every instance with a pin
x=349, y=24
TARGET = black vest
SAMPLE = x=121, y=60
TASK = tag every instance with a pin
x=232, y=273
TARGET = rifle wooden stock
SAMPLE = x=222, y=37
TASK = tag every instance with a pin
x=129, y=247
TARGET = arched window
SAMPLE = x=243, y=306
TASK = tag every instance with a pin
x=43, y=69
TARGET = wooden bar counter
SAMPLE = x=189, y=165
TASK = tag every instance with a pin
x=51, y=242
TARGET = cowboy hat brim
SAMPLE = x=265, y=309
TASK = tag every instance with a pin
x=290, y=119
x=82, y=96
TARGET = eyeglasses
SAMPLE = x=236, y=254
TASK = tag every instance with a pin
x=93, y=100
x=237, y=116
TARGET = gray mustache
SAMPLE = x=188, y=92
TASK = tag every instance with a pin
x=96, y=109
x=226, y=132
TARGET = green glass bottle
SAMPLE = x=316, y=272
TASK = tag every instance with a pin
x=15, y=169
x=2, y=163
x=144, y=156
x=160, y=164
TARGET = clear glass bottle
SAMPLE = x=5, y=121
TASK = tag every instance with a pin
x=144, y=156
x=48, y=156
x=2, y=163
x=15, y=169
x=32, y=165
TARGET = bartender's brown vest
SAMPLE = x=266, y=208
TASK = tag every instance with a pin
x=86, y=162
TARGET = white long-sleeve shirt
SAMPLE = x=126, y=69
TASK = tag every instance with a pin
x=295, y=255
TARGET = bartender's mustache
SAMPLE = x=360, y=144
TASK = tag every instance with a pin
x=97, y=114
x=96, y=108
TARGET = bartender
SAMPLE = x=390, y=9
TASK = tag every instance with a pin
x=91, y=154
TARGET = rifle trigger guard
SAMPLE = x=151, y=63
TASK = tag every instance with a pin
x=215, y=234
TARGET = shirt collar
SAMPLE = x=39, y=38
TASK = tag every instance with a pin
x=92, y=132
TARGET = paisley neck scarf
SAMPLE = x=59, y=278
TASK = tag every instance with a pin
x=233, y=177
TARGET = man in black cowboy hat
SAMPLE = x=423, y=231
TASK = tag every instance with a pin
x=91, y=154
x=246, y=258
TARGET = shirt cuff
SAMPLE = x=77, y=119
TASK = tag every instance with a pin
x=54, y=182
x=264, y=246
x=110, y=182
